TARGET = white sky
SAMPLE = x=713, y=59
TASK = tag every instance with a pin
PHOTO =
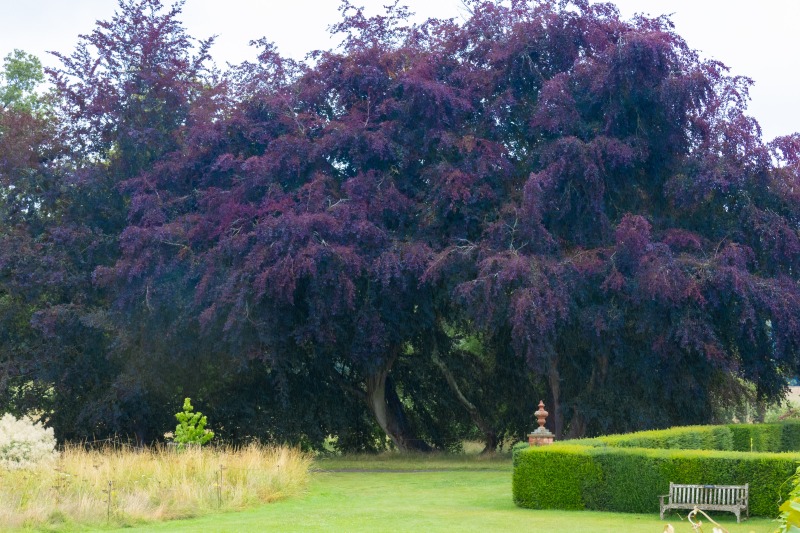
x=760, y=40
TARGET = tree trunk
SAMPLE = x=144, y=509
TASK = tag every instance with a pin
x=578, y=422
x=489, y=435
x=387, y=409
x=577, y=426
x=554, y=380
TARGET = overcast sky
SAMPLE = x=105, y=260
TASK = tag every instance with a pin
x=759, y=40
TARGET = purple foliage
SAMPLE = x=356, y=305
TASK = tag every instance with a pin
x=584, y=183
x=581, y=191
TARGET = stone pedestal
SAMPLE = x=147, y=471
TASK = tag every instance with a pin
x=541, y=436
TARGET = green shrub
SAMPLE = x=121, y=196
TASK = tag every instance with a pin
x=516, y=448
x=741, y=437
x=790, y=437
x=632, y=480
x=191, y=428
x=779, y=437
x=609, y=474
x=564, y=476
x=763, y=437
x=681, y=438
x=555, y=477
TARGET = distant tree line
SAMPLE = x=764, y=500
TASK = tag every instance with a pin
x=414, y=236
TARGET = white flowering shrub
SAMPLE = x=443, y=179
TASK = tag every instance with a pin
x=25, y=443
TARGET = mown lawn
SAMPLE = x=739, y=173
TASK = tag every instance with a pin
x=431, y=495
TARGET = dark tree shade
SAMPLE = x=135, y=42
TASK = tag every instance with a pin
x=123, y=98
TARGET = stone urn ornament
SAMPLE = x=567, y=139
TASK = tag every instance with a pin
x=541, y=436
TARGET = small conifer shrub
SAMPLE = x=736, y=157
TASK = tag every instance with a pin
x=191, y=428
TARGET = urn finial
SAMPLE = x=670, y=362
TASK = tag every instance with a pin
x=541, y=436
x=541, y=414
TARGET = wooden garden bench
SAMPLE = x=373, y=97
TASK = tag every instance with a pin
x=733, y=498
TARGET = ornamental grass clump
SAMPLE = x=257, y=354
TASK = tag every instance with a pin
x=25, y=444
x=123, y=486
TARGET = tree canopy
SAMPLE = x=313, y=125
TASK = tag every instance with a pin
x=414, y=235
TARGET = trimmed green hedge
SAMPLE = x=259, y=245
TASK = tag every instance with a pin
x=627, y=473
x=732, y=437
x=568, y=469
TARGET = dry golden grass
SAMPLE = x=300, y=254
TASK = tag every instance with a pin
x=149, y=485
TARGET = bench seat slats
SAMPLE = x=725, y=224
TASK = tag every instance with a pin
x=733, y=498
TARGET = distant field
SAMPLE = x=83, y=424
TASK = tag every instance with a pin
x=794, y=395
x=434, y=495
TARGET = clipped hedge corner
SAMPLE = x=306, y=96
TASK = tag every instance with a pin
x=627, y=473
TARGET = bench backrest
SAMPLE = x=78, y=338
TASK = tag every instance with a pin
x=708, y=494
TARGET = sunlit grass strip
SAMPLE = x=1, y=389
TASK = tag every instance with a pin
x=410, y=461
x=150, y=485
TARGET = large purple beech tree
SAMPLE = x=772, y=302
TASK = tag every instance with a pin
x=304, y=223
x=419, y=232
x=581, y=189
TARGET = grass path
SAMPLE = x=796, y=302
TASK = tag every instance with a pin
x=427, y=501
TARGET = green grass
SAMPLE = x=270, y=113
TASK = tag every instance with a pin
x=429, y=494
